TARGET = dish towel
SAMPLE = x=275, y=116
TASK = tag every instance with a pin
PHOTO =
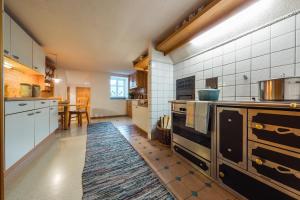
x=202, y=116
x=190, y=114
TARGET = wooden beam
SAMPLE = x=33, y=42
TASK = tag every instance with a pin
x=1, y=110
x=210, y=15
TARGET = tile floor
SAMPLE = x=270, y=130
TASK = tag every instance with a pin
x=56, y=175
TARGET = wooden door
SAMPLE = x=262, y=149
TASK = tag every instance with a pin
x=83, y=96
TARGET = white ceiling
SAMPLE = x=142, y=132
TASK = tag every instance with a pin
x=100, y=35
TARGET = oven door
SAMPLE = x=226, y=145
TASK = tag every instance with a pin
x=192, y=140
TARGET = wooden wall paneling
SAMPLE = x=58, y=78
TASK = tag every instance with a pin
x=210, y=15
x=1, y=110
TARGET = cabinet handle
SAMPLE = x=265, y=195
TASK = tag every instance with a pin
x=259, y=161
x=293, y=105
x=43, y=102
x=259, y=126
x=30, y=114
x=16, y=57
x=35, y=67
x=38, y=112
x=6, y=51
x=22, y=104
x=51, y=108
x=221, y=174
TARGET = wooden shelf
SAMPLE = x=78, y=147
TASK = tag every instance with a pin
x=210, y=15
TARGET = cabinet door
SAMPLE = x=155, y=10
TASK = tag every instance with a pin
x=53, y=118
x=232, y=129
x=38, y=58
x=6, y=34
x=41, y=125
x=21, y=45
x=19, y=136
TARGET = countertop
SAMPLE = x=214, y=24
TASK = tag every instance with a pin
x=264, y=104
x=29, y=98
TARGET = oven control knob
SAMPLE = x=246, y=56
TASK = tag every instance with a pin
x=221, y=174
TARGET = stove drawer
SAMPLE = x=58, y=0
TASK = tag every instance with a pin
x=275, y=165
x=250, y=186
x=201, y=163
x=275, y=127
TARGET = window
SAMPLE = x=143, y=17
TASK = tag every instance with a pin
x=118, y=87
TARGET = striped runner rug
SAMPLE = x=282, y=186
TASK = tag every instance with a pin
x=114, y=170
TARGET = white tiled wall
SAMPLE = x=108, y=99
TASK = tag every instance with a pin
x=270, y=52
x=160, y=91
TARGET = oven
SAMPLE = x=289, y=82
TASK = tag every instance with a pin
x=192, y=145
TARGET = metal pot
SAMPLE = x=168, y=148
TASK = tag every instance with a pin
x=283, y=89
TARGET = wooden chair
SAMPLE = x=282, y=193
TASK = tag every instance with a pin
x=62, y=118
x=79, y=112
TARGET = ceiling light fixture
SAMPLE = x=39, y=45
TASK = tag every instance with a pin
x=240, y=18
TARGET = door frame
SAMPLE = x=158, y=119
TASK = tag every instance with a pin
x=1, y=110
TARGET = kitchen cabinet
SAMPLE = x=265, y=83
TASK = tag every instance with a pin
x=38, y=58
x=19, y=136
x=138, y=80
x=232, y=135
x=27, y=123
x=140, y=116
x=21, y=45
x=6, y=35
x=129, y=108
x=53, y=118
x=41, y=125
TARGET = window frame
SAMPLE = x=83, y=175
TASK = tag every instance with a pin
x=124, y=87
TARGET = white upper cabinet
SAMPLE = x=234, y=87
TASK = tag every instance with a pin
x=21, y=45
x=38, y=58
x=6, y=34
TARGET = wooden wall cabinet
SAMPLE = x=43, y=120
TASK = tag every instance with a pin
x=138, y=80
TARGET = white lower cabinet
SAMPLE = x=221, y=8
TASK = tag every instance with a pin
x=19, y=136
x=53, y=118
x=140, y=117
x=41, y=125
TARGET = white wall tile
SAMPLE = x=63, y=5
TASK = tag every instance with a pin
x=283, y=71
x=285, y=41
x=228, y=98
x=242, y=78
x=260, y=62
x=298, y=21
x=243, y=42
x=242, y=99
x=217, y=71
x=217, y=61
x=261, y=35
x=243, y=66
x=208, y=64
x=283, y=26
x=228, y=91
x=199, y=75
x=284, y=57
x=243, y=90
x=243, y=54
x=208, y=74
x=229, y=58
x=228, y=80
x=298, y=38
x=229, y=69
x=254, y=90
x=297, y=69
x=297, y=54
x=261, y=48
x=218, y=51
x=229, y=47
x=260, y=75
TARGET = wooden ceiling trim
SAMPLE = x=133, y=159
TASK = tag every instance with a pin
x=210, y=15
